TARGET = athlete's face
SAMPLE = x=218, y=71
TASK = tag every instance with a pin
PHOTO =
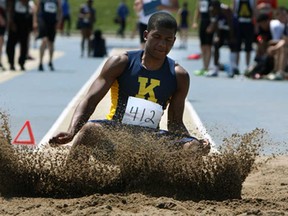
x=159, y=41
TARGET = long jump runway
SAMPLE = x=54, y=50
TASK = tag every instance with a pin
x=215, y=108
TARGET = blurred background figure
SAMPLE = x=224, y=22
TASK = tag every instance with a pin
x=183, y=25
x=19, y=27
x=137, y=6
x=266, y=7
x=224, y=24
x=49, y=18
x=86, y=20
x=66, y=18
x=98, y=44
x=244, y=11
x=3, y=22
x=33, y=31
x=270, y=47
x=122, y=14
x=278, y=48
x=201, y=21
x=149, y=7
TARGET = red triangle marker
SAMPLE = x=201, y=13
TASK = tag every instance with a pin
x=27, y=142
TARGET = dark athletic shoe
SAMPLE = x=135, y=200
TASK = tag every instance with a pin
x=12, y=68
x=51, y=66
x=40, y=68
x=22, y=67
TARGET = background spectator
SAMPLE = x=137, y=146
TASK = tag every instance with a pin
x=183, y=24
x=225, y=26
x=148, y=8
x=87, y=18
x=19, y=28
x=244, y=11
x=122, y=13
x=66, y=18
x=3, y=23
x=98, y=44
x=266, y=7
x=202, y=16
x=49, y=17
x=279, y=50
x=270, y=33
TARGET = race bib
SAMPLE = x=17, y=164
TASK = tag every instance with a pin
x=50, y=7
x=86, y=20
x=203, y=6
x=142, y=112
x=20, y=8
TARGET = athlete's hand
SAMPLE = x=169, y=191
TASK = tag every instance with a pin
x=61, y=139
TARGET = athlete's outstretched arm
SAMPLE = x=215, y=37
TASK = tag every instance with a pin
x=111, y=70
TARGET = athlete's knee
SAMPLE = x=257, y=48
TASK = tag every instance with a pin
x=91, y=128
x=201, y=147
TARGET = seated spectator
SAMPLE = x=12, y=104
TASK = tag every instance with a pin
x=279, y=50
x=268, y=41
x=98, y=45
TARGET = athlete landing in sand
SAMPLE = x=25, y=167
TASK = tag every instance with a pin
x=143, y=83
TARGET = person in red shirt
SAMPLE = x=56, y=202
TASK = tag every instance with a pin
x=266, y=6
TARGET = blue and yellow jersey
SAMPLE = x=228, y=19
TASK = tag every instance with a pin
x=244, y=10
x=157, y=86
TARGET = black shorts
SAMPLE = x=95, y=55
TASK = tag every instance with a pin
x=205, y=38
x=246, y=35
x=47, y=29
x=175, y=140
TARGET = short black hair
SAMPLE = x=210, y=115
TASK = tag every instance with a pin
x=215, y=4
x=262, y=17
x=97, y=33
x=162, y=19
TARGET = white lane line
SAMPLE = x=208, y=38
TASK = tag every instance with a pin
x=200, y=126
x=69, y=107
x=29, y=65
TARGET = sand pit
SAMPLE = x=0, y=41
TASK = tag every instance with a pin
x=144, y=178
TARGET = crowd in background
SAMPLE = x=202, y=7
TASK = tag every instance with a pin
x=258, y=26
x=246, y=25
x=22, y=20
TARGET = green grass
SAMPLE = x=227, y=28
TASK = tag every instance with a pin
x=106, y=10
